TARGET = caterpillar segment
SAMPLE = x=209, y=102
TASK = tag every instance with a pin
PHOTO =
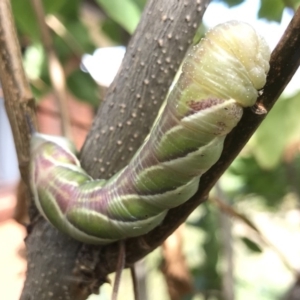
x=220, y=76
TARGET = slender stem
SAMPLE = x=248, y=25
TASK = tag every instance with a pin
x=62, y=31
x=17, y=94
x=56, y=71
x=119, y=270
x=134, y=282
x=227, y=245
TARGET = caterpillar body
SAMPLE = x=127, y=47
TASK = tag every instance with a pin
x=220, y=76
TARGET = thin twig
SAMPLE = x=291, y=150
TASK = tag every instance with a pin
x=56, y=71
x=227, y=248
x=16, y=90
x=119, y=270
x=62, y=31
x=134, y=282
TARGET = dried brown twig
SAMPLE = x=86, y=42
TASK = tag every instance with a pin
x=56, y=71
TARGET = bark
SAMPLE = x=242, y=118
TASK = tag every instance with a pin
x=152, y=58
x=18, y=98
x=62, y=268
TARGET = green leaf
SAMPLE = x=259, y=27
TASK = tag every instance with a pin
x=141, y=4
x=113, y=30
x=207, y=275
x=83, y=87
x=74, y=43
x=124, y=12
x=251, y=245
x=253, y=181
x=231, y=3
x=81, y=35
x=296, y=4
x=279, y=129
x=271, y=10
x=25, y=17
x=33, y=60
x=70, y=9
x=53, y=6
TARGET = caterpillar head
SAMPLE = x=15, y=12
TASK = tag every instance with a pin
x=231, y=62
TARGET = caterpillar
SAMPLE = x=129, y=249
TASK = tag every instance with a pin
x=220, y=76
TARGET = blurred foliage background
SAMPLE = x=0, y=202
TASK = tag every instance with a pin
x=251, y=246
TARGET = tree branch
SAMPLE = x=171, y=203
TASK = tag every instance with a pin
x=152, y=58
x=285, y=60
x=17, y=94
x=154, y=54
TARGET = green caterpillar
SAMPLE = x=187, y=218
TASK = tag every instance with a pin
x=220, y=76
